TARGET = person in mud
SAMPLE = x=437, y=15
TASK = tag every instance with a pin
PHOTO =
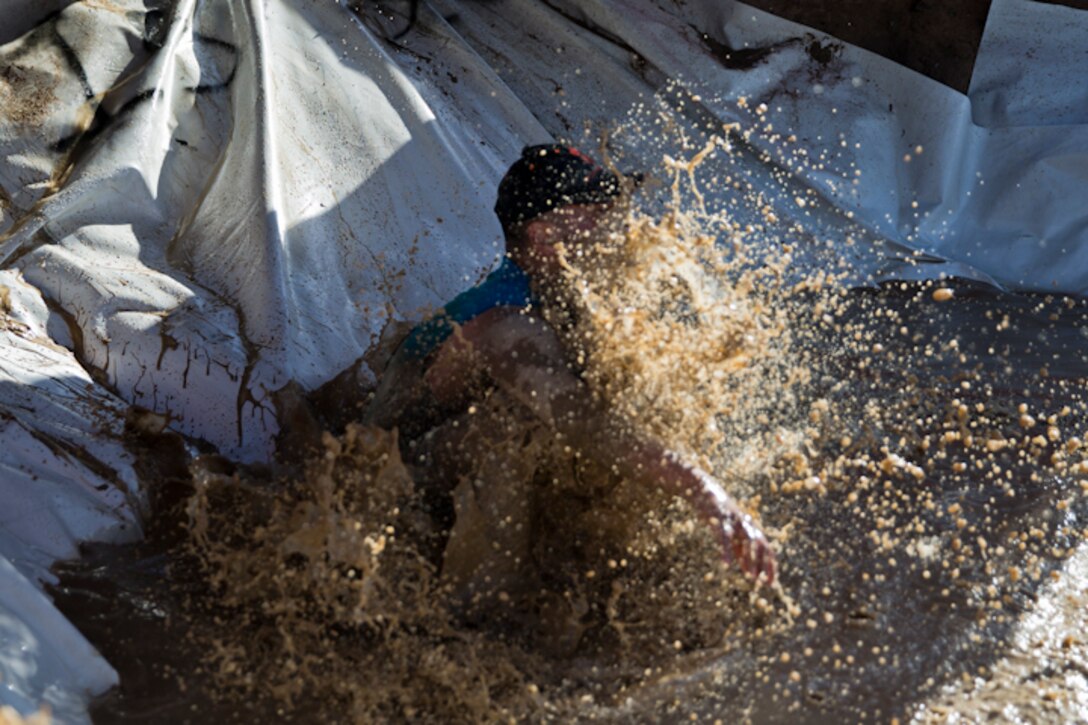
x=496, y=338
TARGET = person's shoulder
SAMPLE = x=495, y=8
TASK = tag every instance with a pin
x=511, y=318
x=508, y=329
x=507, y=285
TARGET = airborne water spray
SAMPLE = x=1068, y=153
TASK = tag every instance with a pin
x=913, y=477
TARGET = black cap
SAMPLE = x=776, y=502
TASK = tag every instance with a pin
x=548, y=177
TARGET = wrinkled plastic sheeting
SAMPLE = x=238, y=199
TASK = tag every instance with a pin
x=65, y=478
x=1006, y=200
x=258, y=190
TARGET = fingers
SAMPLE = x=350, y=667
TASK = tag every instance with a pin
x=745, y=545
x=763, y=563
x=761, y=558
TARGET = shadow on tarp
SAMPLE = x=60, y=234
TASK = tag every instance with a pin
x=196, y=265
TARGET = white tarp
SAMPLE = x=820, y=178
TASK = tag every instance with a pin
x=219, y=198
x=65, y=478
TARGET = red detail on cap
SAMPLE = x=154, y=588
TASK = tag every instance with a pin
x=579, y=155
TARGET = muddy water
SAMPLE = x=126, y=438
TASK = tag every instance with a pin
x=914, y=452
x=925, y=577
x=906, y=566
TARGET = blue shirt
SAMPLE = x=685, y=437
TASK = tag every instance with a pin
x=506, y=286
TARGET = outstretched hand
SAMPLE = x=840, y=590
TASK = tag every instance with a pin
x=744, y=544
x=742, y=541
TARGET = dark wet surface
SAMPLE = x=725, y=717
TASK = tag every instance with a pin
x=900, y=586
x=937, y=39
x=130, y=601
x=888, y=626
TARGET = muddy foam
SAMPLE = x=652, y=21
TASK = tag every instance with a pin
x=914, y=451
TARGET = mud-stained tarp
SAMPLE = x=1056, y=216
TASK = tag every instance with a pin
x=204, y=202
x=65, y=478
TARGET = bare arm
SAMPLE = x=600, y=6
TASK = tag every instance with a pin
x=523, y=355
